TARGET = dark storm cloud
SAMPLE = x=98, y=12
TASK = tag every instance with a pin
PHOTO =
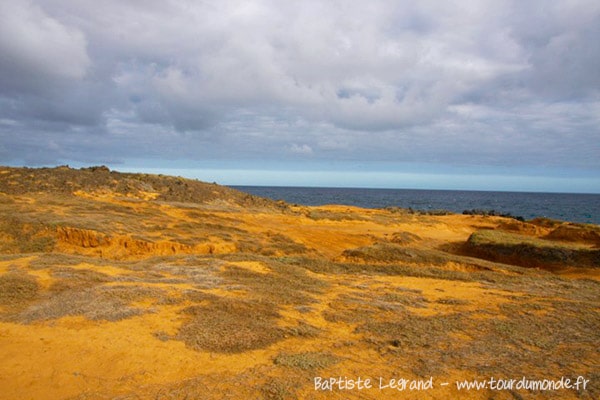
x=482, y=83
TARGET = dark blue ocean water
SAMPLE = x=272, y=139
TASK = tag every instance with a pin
x=564, y=206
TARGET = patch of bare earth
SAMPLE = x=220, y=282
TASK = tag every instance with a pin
x=123, y=286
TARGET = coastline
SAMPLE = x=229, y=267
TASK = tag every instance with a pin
x=124, y=285
x=571, y=207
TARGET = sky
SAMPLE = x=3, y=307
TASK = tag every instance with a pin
x=476, y=95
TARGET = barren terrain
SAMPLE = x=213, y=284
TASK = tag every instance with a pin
x=124, y=286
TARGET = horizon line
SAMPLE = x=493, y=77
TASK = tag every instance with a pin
x=404, y=188
x=226, y=179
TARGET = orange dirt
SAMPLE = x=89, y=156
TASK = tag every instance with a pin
x=119, y=301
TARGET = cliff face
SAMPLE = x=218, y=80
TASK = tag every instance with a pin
x=84, y=238
x=120, y=247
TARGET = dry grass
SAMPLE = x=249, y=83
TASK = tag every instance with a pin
x=549, y=326
x=280, y=388
x=581, y=233
x=285, y=294
x=393, y=253
x=25, y=237
x=73, y=292
x=17, y=289
x=287, y=284
x=202, y=272
x=404, y=238
x=308, y=361
x=558, y=339
x=104, y=303
x=303, y=330
x=65, y=181
x=324, y=266
x=562, y=341
x=363, y=304
x=74, y=279
x=322, y=214
x=424, y=342
x=271, y=244
x=527, y=251
x=293, y=371
x=230, y=326
x=235, y=325
x=450, y=301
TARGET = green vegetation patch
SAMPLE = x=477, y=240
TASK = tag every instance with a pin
x=529, y=251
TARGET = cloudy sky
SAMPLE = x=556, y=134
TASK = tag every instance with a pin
x=429, y=94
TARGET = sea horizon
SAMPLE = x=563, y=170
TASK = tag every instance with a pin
x=571, y=207
x=236, y=186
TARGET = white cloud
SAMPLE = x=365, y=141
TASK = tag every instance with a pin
x=303, y=149
x=485, y=82
x=37, y=48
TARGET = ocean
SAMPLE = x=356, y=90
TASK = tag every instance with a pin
x=572, y=207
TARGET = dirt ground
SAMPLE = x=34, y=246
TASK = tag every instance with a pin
x=107, y=296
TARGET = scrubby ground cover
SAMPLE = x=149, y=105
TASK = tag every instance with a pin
x=116, y=293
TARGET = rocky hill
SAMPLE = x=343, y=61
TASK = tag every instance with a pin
x=100, y=179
